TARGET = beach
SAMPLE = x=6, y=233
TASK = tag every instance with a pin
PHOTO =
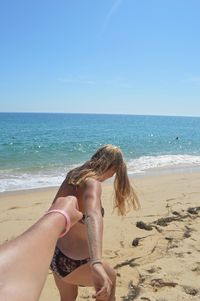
x=155, y=250
x=93, y=89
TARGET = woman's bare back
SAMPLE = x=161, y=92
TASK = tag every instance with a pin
x=74, y=244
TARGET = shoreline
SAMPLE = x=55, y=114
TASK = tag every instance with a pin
x=152, y=173
x=12, y=180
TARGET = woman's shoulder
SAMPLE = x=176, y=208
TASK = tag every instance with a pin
x=92, y=190
x=92, y=183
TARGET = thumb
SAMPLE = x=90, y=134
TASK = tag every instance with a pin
x=76, y=216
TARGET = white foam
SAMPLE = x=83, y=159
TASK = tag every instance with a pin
x=11, y=180
x=28, y=182
x=146, y=163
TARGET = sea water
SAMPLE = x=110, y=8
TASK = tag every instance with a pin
x=38, y=149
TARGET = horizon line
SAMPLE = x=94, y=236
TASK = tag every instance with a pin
x=95, y=113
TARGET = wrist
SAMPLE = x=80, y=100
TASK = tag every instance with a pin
x=95, y=261
x=53, y=223
x=66, y=217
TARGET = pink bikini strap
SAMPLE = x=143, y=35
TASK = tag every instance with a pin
x=67, y=219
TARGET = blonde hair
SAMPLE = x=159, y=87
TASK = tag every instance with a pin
x=106, y=158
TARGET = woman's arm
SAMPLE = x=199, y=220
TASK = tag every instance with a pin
x=94, y=224
x=93, y=219
x=25, y=261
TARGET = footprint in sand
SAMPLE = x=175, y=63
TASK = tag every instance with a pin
x=111, y=254
x=179, y=254
x=196, y=268
x=133, y=292
x=122, y=243
x=18, y=207
x=15, y=207
x=190, y=290
x=187, y=232
x=159, y=283
x=154, y=269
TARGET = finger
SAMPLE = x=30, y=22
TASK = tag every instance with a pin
x=99, y=292
x=76, y=204
x=100, y=297
x=75, y=216
x=79, y=214
x=103, y=292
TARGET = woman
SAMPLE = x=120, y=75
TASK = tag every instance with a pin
x=78, y=255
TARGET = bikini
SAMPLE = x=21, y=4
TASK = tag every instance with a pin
x=63, y=265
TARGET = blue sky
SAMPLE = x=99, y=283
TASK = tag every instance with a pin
x=102, y=56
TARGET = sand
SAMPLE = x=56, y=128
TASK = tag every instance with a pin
x=161, y=262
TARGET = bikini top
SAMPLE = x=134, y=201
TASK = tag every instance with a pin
x=82, y=221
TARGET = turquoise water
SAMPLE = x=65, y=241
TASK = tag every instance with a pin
x=36, y=150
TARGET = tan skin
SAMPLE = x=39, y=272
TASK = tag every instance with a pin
x=25, y=260
x=84, y=241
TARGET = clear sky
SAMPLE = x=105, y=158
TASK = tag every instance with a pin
x=103, y=56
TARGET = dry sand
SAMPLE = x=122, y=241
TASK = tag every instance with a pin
x=164, y=261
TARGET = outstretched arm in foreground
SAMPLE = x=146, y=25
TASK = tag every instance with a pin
x=25, y=261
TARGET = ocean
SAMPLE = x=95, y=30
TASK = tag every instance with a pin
x=38, y=149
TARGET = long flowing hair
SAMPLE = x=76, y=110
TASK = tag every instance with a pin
x=106, y=158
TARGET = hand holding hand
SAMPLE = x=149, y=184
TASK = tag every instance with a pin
x=70, y=205
x=102, y=282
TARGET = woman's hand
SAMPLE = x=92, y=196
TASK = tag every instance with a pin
x=70, y=205
x=102, y=282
